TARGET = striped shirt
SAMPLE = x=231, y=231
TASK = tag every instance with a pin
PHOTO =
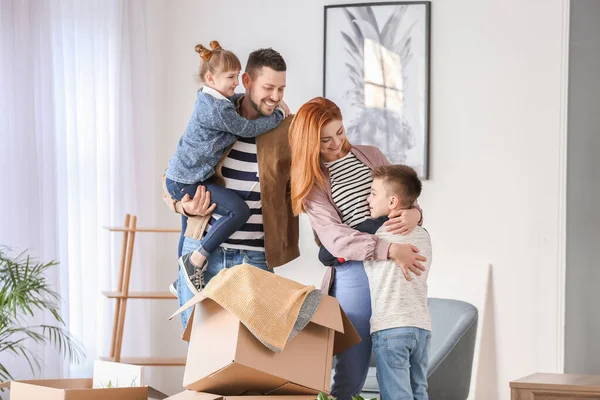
x=350, y=187
x=240, y=170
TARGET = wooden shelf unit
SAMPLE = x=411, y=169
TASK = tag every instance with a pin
x=122, y=294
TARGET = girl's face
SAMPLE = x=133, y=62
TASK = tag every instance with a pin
x=224, y=82
x=333, y=136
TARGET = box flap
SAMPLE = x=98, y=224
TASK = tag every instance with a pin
x=291, y=389
x=259, y=397
x=156, y=394
x=348, y=338
x=190, y=303
x=76, y=389
x=328, y=314
x=67, y=383
x=187, y=332
x=123, y=393
x=212, y=343
x=192, y=395
x=309, y=347
x=26, y=391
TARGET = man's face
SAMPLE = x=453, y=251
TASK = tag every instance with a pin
x=379, y=201
x=265, y=89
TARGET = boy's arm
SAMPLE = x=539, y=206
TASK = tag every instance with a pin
x=370, y=225
x=225, y=118
x=326, y=258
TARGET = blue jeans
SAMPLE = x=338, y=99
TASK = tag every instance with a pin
x=233, y=210
x=402, y=356
x=217, y=260
x=351, y=288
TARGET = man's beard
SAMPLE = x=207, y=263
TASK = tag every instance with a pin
x=254, y=105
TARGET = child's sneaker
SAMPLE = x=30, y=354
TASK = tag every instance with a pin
x=194, y=276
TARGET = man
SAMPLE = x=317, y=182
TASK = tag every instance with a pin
x=258, y=170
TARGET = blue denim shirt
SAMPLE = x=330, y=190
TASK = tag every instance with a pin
x=213, y=127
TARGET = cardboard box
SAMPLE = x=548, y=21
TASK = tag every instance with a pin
x=75, y=389
x=191, y=395
x=225, y=358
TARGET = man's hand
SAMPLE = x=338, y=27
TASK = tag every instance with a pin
x=407, y=257
x=200, y=204
x=402, y=222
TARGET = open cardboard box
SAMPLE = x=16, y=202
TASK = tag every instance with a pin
x=225, y=358
x=75, y=389
x=191, y=395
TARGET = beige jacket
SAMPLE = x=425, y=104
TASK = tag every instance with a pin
x=280, y=225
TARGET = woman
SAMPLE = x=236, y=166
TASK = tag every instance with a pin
x=330, y=181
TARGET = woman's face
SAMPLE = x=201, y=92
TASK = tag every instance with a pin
x=333, y=136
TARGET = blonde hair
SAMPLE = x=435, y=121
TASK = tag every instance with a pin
x=305, y=144
x=216, y=60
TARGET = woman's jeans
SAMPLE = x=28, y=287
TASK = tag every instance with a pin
x=351, y=288
x=232, y=208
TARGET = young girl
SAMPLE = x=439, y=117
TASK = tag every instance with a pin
x=213, y=127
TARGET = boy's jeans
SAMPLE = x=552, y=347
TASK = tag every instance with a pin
x=402, y=356
x=217, y=260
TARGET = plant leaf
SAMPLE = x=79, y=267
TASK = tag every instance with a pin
x=366, y=14
x=358, y=36
x=390, y=28
x=351, y=45
x=25, y=291
x=368, y=31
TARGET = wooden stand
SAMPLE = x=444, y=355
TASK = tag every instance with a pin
x=556, y=387
x=121, y=296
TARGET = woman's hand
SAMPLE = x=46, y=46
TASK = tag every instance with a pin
x=402, y=222
x=407, y=258
x=284, y=108
x=200, y=204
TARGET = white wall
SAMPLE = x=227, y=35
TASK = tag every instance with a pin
x=497, y=135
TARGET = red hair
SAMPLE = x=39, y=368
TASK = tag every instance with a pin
x=305, y=144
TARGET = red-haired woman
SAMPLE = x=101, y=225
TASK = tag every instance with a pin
x=330, y=181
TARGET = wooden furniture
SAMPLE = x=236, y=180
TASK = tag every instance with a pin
x=122, y=294
x=556, y=387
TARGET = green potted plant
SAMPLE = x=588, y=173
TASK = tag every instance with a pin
x=25, y=292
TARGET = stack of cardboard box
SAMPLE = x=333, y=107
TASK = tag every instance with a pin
x=225, y=361
x=75, y=389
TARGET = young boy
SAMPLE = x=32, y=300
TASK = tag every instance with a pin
x=400, y=321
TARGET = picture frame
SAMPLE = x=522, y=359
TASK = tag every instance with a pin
x=377, y=70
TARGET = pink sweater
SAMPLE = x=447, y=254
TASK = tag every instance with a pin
x=340, y=239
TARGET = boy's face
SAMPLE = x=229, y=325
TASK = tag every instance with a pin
x=380, y=203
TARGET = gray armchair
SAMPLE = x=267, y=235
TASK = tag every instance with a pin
x=454, y=328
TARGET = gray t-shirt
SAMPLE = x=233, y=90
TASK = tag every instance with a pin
x=395, y=301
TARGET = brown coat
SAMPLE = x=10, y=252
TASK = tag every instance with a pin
x=280, y=225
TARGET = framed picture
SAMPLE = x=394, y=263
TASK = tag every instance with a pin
x=376, y=69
